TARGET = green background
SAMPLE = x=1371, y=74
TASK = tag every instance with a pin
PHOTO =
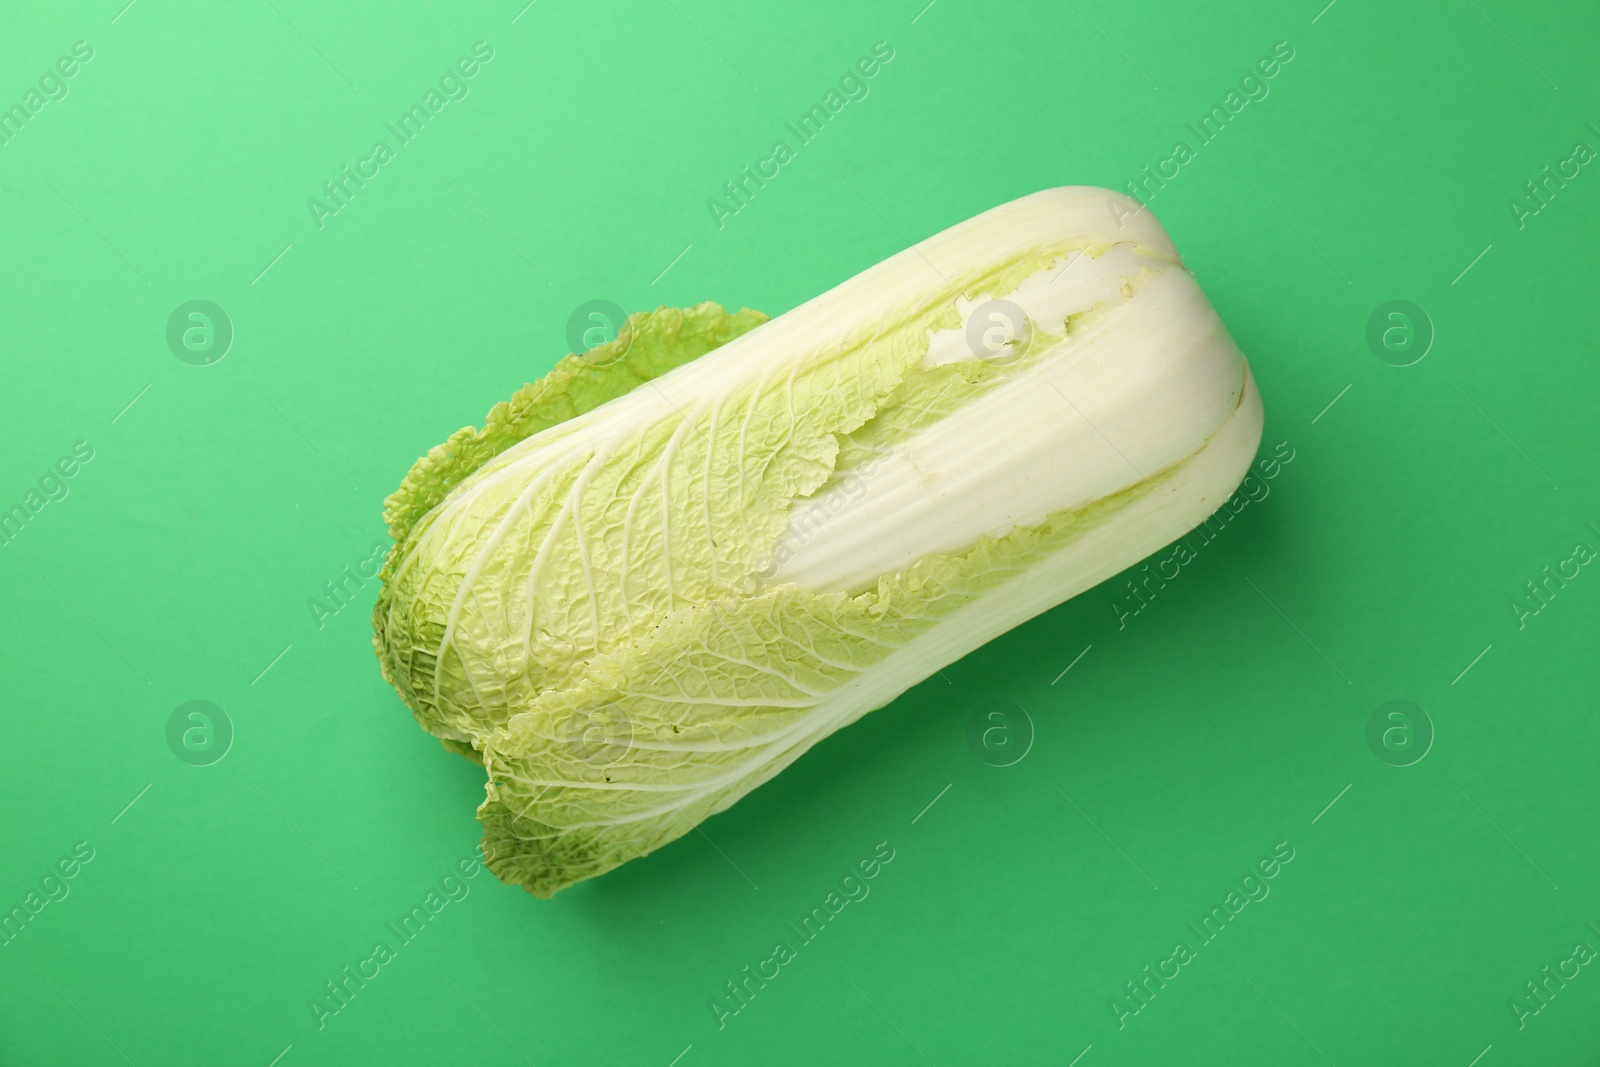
x=1220, y=721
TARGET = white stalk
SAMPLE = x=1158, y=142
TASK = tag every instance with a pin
x=640, y=613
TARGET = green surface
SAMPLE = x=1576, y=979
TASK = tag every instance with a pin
x=1183, y=746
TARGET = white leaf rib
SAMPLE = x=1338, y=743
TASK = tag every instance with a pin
x=818, y=656
x=769, y=759
x=784, y=741
x=443, y=512
x=523, y=500
x=576, y=515
x=744, y=659
x=627, y=539
x=568, y=511
x=757, y=388
x=663, y=467
x=722, y=702
x=705, y=490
